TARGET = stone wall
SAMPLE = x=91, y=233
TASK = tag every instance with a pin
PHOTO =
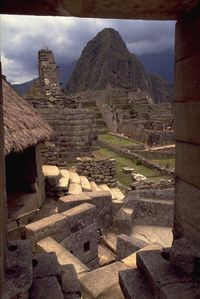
x=187, y=111
x=136, y=130
x=74, y=132
x=101, y=171
x=74, y=128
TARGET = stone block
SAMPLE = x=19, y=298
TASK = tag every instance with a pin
x=158, y=271
x=117, y=193
x=70, y=283
x=133, y=285
x=74, y=189
x=110, y=241
x=187, y=205
x=187, y=73
x=130, y=260
x=64, y=257
x=116, y=206
x=51, y=173
x=71, y=201
x=187, y=122
x=187, y=163
x=46, y=287
x=83, y=243
x=186, y=39
x=180, y=290
x=45, y=264
x=97, y=282
x=124, y=220
x=80, y=216
x=19, y=271
x=85, y=184
x=185, y=256
x=103, y=201
x=55, y=226
x=105, y=255
x=74, y=178
x=127, y=245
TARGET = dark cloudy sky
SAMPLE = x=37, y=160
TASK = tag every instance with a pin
x=22, y=37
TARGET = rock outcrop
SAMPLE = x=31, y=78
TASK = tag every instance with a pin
x=106, y=62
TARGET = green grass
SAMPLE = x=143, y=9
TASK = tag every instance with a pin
x=115, y=140
x=170, y=163
x=121, y=161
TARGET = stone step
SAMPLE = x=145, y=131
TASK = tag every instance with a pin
x=106, y=256
x=64, y=256
x=133, y=285
x=94, y=186
x=85, y=184
x=165, y=281
x=105, y=187
x=97, y=282
x=63, y=183
x=110, y=241
x=74, y=189
x=117, y=193
x=51, y=173
x=74, y=178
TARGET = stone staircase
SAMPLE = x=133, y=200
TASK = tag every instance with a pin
x=154, y=277
x=63, y=182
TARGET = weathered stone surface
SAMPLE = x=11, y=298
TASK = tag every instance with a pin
x=124, y=220
x=45, y=264
x=180, y=290
x=187, y=73
x=110, y=241
x=51, y=173
x=130, y=260
x=93, y=264
x=85, y=184
x=158, y=271
x=84, y=243
x=19, y=272
x=46, y=287
x=134, y=285
x=105, y=255
x=74, y=178
x=116, y=206
x=64, y=257
x=94, y=186
x=98, y=281
x=187, y=159
x=117, y=193
x=187, y=205
x=74, y=189
x=185, y=256
x=127, y=245
x=55, y=226
x=80, y=216
x=187, y=117
x=71, y=201
x=70, y=282
x=187, y=43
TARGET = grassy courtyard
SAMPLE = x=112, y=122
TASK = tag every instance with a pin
x=121, y=161
x=117, y=141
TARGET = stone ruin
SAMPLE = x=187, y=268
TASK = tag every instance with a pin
x=134, y=115
x=74, y=128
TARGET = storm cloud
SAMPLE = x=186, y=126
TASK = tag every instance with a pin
x=23, y=36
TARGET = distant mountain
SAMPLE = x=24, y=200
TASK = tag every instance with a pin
x=106, y=61
x=160, y=63
x=23, y=87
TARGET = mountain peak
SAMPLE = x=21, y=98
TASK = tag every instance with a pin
x=106, y=61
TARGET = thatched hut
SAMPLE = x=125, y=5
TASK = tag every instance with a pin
x=24, y=131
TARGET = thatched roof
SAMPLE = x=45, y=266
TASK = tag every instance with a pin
x=23, y=126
